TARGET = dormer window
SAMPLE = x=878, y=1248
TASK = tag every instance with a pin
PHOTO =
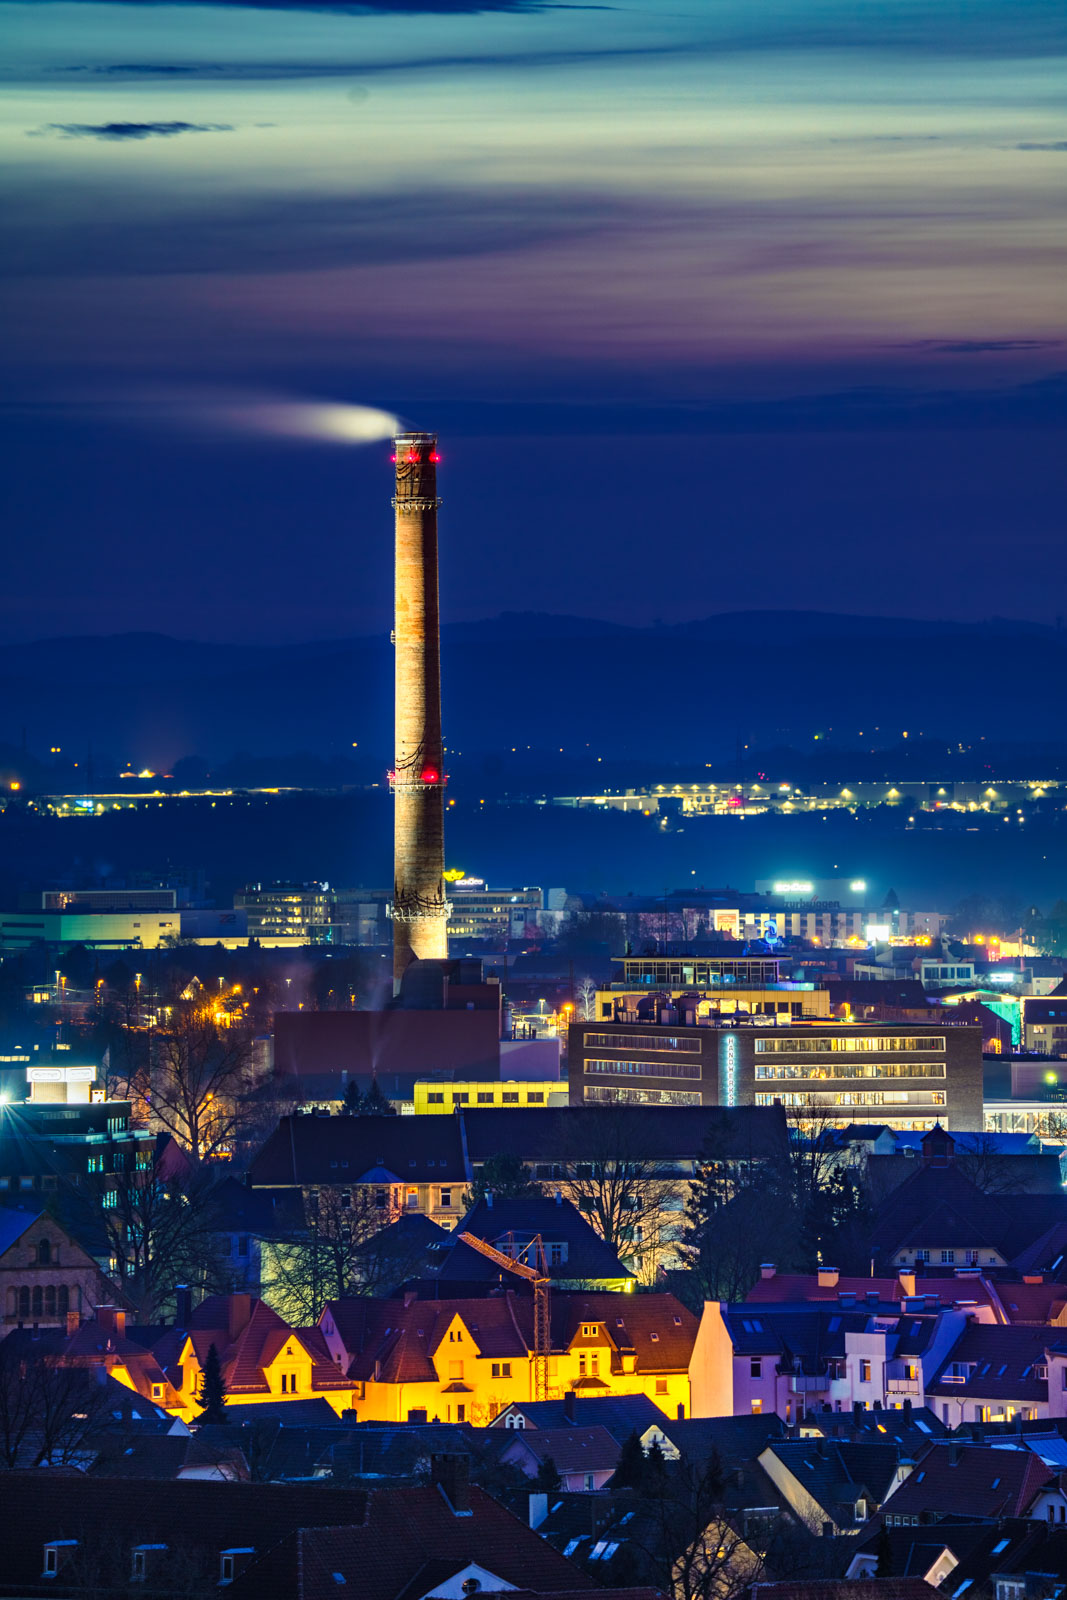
x=56, y=1552
x=231, y=1562
x=44, y=1253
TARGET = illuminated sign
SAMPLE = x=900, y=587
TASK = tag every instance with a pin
x=728, y=1069
x=470, y=883
x=858, y=886
x=60, y=1074
x=795, y=887
x=877, y=932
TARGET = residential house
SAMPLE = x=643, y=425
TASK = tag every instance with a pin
x=994, y=1374
x=832, y=1485
x=263, y=1360
x=584, y=1458
x=403, y=1164
x=261, y=1356
x=46, y=1276
x=965, y=1557
x=966, y=1481
x=941, y=1218
x=801, y=1358
x=466, y=1360
x=621, y=1415
x=572, y=1252
x=71, y=1533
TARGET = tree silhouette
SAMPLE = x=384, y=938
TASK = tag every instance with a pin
x=212, y=1394
x=504, y=1175
x=548, y=1479
x=630, y=1467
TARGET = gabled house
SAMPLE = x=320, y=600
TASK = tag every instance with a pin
x=621, y=1415
x=70, y=1534
x=467, y=1360
x=585, y=1458
x=970, y=1481
x=940, y=1218
x=46, y=1276
x=262, y=1358
x=995, y=1374
x=574, y=1254
x=804, y=1358
x=833, y=1486
x=1010, y=1559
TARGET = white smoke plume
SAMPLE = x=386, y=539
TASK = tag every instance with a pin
x=253, y=413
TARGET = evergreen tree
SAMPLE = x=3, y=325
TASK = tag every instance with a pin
x=212, y=1394
x=630, y=1468
x=654, y=1473
x=884, y=1551
x=352, y=1104
x=548, y=1479
x=376, y=1104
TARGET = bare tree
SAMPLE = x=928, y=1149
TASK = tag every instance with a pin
x=585, y=997
x=161, y=1232
x=329, y=1256
x=630, y=1198
x=980, y=1158
x=200, y=1072
x=47, y=1409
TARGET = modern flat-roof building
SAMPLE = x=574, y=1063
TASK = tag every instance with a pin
x=289, y=910
x=905, y=1075
x=97, y=930
x=479, y=912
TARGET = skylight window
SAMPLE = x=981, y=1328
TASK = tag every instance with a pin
x=998, y=1548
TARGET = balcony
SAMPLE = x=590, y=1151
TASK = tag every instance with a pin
x=808, y=1383
x=903, y=1385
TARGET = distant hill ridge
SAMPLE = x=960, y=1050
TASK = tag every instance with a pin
x=676, y=691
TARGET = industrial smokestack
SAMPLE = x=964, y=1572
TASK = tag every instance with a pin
x=420, y=910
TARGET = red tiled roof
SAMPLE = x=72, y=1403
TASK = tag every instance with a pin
x=571, y=1449
x=402, y=1339
x=405, y=1531
x=788, y=1286
x=969, y=1481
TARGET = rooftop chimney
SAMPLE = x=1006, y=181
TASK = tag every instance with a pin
x=451, y=1474
x=828, y=1277
x=568, y=1405
x=907, y=1285
x=420, y=909
x=767, y=1269
x=183, y=1304
x=111, y=1321
x=238, y=1313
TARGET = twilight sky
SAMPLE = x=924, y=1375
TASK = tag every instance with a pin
x=716, y=306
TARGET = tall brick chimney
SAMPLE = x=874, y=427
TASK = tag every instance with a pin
x=420, y=909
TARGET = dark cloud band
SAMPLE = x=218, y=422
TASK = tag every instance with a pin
x=118, y=131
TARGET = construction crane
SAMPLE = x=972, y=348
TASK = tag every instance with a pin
x=542, y=1284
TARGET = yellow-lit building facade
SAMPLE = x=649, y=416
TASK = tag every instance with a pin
x=427, y=1360
x=432, y=1096
x=465, y=1361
